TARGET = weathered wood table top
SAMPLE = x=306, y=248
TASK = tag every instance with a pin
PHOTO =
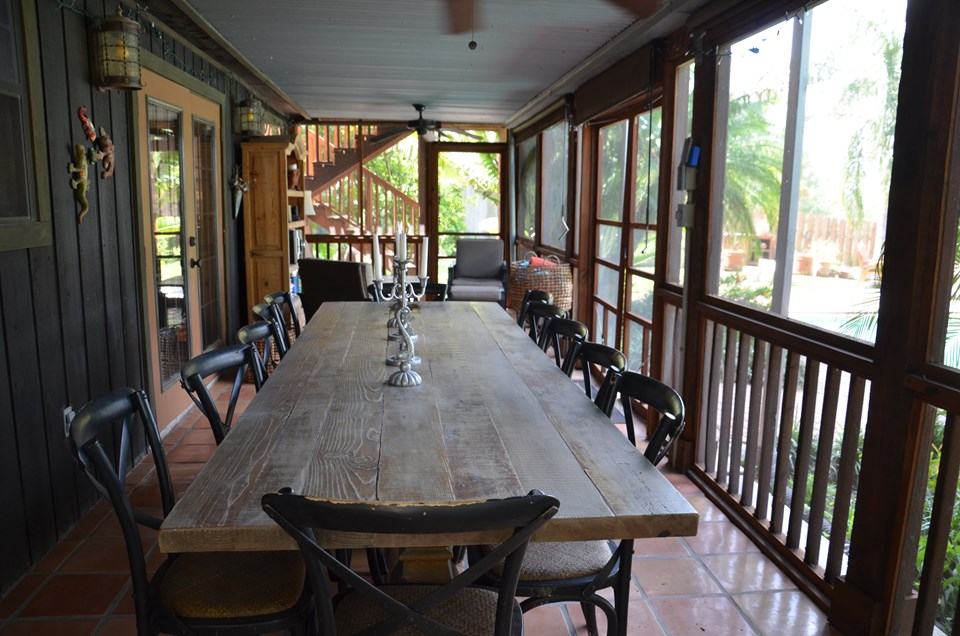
x=494, y=417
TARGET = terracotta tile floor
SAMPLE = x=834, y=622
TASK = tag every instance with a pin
x=714, y=583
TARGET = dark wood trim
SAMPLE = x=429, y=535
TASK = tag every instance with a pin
x=623, y=81
x=37, y=229
x=556, y=113
x=699, y=237
x=918, y=206
x=791, y=335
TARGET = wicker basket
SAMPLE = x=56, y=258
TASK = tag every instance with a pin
x=554, y=277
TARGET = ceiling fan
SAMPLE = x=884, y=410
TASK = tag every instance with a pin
x=427, y=129
x=464, y=15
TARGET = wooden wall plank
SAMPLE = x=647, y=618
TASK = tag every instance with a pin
x=13, y=529
x=31, y=445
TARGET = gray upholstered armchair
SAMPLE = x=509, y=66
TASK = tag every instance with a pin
x=480, y=273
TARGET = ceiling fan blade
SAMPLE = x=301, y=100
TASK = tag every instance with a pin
x=640, y=8
x=463, y=15
x=446, y=130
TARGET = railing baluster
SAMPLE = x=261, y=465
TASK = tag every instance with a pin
x=753, y=422
x=726, y=408
x=739, y=411
x=768, y=433
x=710, y=418
x=801, y=467
x=845, y=474
x=784, y=437
x=941, y=519
x=821, y=472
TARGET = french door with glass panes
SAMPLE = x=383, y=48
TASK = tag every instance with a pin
x=179, y=149
x=628, y=176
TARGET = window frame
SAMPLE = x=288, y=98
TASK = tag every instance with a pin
x=37, y=230
x=523, y=244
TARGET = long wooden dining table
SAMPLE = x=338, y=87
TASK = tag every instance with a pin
x=494, y=417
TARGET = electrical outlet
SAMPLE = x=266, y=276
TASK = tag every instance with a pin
x=68, y=415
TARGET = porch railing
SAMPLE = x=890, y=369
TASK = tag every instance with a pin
x=780, y=440
x=359, y=248
x=936, y=513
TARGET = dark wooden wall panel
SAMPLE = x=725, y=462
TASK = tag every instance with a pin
x=31, y=439
x=70, y=316
x=13, y=531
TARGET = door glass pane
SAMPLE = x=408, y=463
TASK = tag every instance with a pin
x=641, y=297
x=638, y=355
x=608, y=243
x=644, y=250
x=608, y=283
x=165, y=166
x=613, y=164
x=648, y=166
x=554, y=195
x=610, y=332
x=208, y=235
x=527, y=188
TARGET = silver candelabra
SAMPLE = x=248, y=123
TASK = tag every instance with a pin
x=402, y=295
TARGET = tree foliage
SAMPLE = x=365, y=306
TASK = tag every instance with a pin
x=754, y=165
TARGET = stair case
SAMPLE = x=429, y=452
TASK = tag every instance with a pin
x=349, y=199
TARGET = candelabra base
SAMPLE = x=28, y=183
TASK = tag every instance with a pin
x=405, y=376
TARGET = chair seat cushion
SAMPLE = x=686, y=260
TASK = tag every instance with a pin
x=495, y=283
x=472, y=610
x=231, y=584
x=564, y=560
x=476, y=289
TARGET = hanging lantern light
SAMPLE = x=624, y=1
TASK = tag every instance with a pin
x=251, y=117
x=116, y=45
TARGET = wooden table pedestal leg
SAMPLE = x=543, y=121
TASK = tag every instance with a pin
x=424, y=565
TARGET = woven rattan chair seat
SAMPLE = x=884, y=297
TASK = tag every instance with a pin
x=232, y=584
x=471, y=610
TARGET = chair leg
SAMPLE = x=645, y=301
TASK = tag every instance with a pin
x=621, y=591
x=377, y=563
x=590, y=616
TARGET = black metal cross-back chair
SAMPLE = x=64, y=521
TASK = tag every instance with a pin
x=566, y=336
x=194, y=593
x=195, y=371
x=659, y=397
x=267, y=312
x=615, y=364
x=285, y=314
x=454, y=608
x=538, y=315
x=529, y=297
x=259, y=335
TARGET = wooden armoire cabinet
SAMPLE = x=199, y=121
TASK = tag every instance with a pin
x=273, y=212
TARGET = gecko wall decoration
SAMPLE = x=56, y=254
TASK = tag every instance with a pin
x=78, y=168
x=81, y=182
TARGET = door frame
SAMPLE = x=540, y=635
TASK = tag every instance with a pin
x=432, y=199
x=144, y=261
